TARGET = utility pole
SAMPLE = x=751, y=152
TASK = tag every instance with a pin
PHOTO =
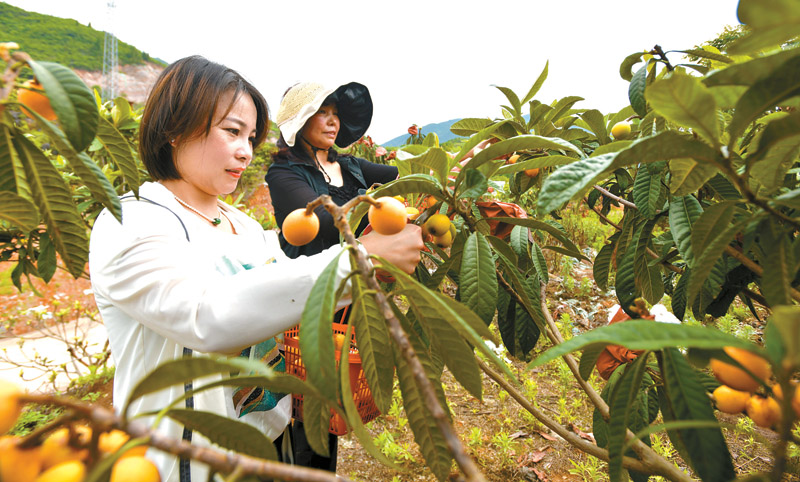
x=110, y=57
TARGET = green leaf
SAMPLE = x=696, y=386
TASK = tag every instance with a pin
x=684, y=100
x=46, y=262
x=434, y=159
x=226, y=432
x=474, y=186
x=597, y=124
x=476, y=139
x=316, y=332
x=512, y=99
x=71, y=100
x=625, y=280
x=774, y=132
x=771, y=171
x=724, y=188
x=87, y=170
x=373, y=344
x=478, y=277
x=630, y=61
x=176, y=372
x=467, y=127
x=539, y=262
x=537, y=85
x=747, y=73
x=449, y=311
x=683, y=212
x=560, y=108
x=535, y=163
x=553, y=231
x=646, y=335
x=764, y=94
x=688, y=175
x=602, y=263
x=120, y=152
x=12, y=174
x=705, y=54
x=526, y=329
x=588, y=361
x=620, y=404
x=710, y=223
x=648, y=278
x=572, y=181
x=647, y=190
x=515, y=144
x=316, y=423
x=636, y=91
x=706, y=447
x=426, y=432
x=777, y=263
x=354, y=418
x=18, y=211
x=53, y=200
x=772, y=22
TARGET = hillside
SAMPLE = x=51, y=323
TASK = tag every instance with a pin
x=65, y=41
x=442, y=129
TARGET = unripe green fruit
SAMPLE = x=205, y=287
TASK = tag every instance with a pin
x=438, y=224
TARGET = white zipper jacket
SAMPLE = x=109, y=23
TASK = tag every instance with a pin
x=158, y=293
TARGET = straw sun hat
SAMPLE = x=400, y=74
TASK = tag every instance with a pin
x=303, y=100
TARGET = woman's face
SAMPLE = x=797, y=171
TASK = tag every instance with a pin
x=323, y=127
x=214, y=163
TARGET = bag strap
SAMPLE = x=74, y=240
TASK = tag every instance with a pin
x=184, y=467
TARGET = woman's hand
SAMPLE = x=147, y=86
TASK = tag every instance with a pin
x=401, y=249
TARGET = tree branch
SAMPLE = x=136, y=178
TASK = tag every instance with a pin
x=425, y=386
x=224, y=462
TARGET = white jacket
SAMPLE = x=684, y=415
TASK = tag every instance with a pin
x=158, y=293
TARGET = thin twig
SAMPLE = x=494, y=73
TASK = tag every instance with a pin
x=608, y=194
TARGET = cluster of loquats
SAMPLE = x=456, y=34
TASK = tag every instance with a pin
x=738, y=392
x=64, y=454
x=442, y=230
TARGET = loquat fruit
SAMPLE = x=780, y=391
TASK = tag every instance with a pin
x=621, y=130
x=729, y=400
x=134, y=469
x=300, y=228
x=437, y=225
x=36, y=101
x=388, y=216
x=764, y=411
x=16, y=464
x=737, y=378
x=72, y=471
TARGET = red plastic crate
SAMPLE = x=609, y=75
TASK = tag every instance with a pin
x=362, y=395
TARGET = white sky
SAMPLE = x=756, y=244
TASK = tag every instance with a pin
x=423, y=61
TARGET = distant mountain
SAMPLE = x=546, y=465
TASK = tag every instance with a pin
x=62, y=40
x=442, y=129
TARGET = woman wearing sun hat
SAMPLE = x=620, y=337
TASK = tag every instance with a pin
x=313, y=119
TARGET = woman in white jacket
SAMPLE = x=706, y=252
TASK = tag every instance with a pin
x=185, y=272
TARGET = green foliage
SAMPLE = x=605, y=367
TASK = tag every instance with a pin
x=60, y=40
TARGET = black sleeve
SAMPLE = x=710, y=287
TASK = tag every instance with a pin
x=373, y=172
x=289, y=191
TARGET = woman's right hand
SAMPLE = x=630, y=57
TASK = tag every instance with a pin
x=401, y=249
